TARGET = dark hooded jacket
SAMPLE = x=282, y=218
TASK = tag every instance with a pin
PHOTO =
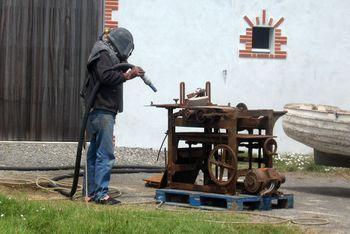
x=100, y=63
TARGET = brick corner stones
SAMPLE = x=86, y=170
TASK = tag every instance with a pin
x=110, y=7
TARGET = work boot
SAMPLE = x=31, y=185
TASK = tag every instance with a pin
x=107, y=200
x=88, y=199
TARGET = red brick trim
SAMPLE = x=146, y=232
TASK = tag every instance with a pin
x=278, y=32
x=110, y=5
x=264, y=17
x=243, y=55
x=280, y=21
x=281, y=56
x=248, y=21
x=270, y=21
x=260, y=55
x=247, y=38
x=257, y=20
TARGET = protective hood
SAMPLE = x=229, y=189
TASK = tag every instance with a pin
x=123, y=41
x=102, y=46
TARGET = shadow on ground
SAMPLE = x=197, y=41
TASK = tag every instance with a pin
x=326, y=191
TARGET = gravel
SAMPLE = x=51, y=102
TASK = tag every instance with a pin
x=33, y=154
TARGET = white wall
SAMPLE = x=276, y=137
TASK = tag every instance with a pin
x=194, y=41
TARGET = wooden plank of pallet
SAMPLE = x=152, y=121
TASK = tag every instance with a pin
x=221, y=201
x=200, y=199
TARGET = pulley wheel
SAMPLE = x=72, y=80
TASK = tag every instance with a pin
x=241, y=106
x=253, y=181
x=270, y=146
x=222, y=165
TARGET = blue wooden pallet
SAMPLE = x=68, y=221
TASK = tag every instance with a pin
x=220, y=201
x=285, y=201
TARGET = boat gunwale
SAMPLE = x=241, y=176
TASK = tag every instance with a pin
x=296, y=106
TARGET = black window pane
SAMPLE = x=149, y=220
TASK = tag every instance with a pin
x=261, y=38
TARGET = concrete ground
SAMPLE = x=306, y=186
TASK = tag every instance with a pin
x=316, y=196
x=319, y=196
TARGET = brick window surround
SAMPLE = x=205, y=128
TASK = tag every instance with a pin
x=278, y=40
x=110, y=5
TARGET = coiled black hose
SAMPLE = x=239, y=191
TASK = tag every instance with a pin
x=126, y=170
x=113, y=171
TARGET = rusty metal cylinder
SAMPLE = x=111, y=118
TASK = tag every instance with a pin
x=182, y=93
x=208, y=90
x=263, y=179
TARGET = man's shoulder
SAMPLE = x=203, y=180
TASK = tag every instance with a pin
x=97, y=49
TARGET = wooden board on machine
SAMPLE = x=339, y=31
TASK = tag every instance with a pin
x=153, y=181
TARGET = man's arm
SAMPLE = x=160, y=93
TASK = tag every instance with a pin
x=108, y=76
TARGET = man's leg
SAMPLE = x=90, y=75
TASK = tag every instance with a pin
x=104, y=155
x=91, y=161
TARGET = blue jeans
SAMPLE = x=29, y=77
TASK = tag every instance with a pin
x=100, y=155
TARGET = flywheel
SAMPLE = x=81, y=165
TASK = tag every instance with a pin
x=222, y=164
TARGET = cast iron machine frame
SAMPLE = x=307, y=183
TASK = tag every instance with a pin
x=229, y=135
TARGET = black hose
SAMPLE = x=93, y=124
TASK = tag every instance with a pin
x=161, y=145
x=113, y=171
x=58, y=168
x=11, y=168
x=89, y=104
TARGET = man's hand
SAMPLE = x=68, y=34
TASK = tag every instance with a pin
x=134, y=72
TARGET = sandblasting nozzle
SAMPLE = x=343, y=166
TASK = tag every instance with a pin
x=149, y=83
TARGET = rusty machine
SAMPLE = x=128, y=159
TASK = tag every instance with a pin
x=219, y=148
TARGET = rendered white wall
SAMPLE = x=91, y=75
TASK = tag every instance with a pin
x=194, y=41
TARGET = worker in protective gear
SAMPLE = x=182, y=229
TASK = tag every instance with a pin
x=113, y=48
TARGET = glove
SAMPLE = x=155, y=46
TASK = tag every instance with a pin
x=134, y=72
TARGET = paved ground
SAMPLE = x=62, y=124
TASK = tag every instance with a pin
x=319, y=196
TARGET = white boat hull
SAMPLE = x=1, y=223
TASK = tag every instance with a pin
x=324, y=128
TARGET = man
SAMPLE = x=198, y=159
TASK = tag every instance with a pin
x=113, y=48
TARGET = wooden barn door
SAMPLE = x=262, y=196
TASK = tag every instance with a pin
x=44, y=46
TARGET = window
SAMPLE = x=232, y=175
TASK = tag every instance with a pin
x=262, y=39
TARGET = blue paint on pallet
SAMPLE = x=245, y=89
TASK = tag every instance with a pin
x=278, y=201
x=241, y=202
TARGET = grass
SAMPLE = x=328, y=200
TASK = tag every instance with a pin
x=292, y=162
x=297, y=162
x=18, y=215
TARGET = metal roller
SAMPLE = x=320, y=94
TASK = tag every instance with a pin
x=263, y=181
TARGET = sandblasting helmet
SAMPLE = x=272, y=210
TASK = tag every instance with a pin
x=122, y=40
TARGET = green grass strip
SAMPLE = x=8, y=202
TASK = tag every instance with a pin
x=18, y=215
